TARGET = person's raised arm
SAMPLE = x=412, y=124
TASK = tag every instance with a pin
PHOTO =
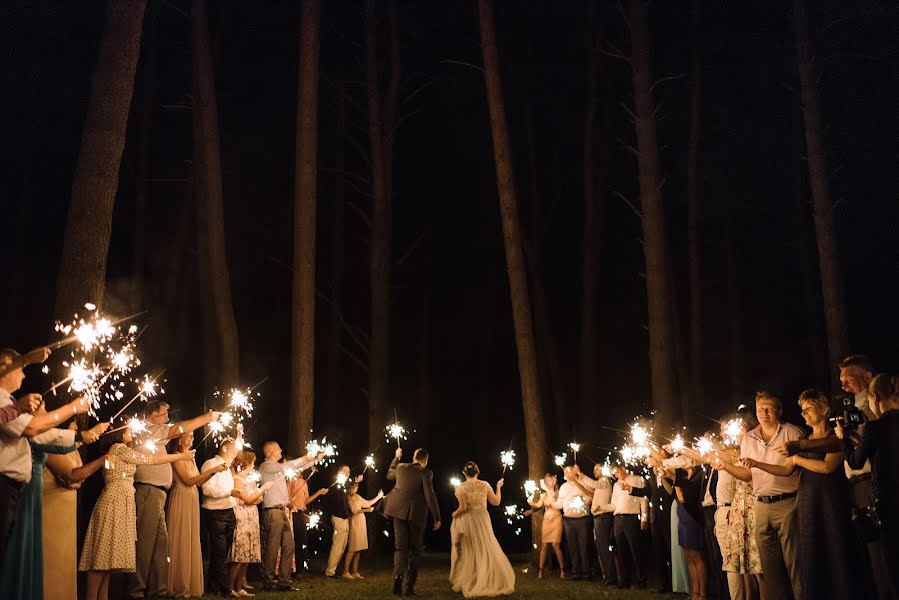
x=181, y=427
x=784, y=470
x=369, y=503
x=164, y=459
x=724, y=461
x=76, y=474
x=866, y=448
x=33, y=357
x=391, y=471
x=315, y=496
x=183, y=473
x=250, y=498
x=495, y=498
x=828, y=444
x=538, y=503
x=832, y=461
x=54, y=418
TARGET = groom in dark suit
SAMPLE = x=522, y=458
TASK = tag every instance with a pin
x=408, y=504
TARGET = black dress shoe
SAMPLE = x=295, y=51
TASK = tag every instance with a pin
x=410, y=592
x=398, y=586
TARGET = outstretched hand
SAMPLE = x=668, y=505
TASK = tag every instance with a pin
x=436, y=525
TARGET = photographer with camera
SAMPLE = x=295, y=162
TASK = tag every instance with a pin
x=879, y=444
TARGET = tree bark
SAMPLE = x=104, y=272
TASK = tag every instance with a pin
x=82, y=269
x=696, y=387
x=822, y=203
x=380, y=115
x=208, y=195
x=655, y=241
x=335, y=329
x=521, y=308
x=303, y=365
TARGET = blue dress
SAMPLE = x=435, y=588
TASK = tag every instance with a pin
x=22, y=574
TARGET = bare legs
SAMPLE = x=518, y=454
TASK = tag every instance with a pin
x=97, y=585
x=351, y=565
x=557, y=548
x=696, y=567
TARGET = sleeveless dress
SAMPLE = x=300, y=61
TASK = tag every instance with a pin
x=479, y=566
x=22, y=572
x=182, y=519
x=739, y=548
x=60, y=536
x=246, y=547
x=111, y=534
x=552, y=520
x=357, y=539
x=831, y=557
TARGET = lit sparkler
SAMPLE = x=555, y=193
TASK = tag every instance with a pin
x=396, y=431
x=289, y=473
x=150, y=446
x=254, y=476
x=560, y=459
x=606, y=470
x=369, y=463
x=577, y=504
x=455, y=482
x=733, y=429
x=507, y=458
x=677, y=444
x=703, y=446
x=136, y=426
x=314, y=519
x=574, y=447
x=530, y=488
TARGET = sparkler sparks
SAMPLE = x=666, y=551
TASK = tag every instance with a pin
x=530, y=488
x=315, y=447
x=396, y=431
x=289, y=473
x=703, y=446
x=606, y=470
x=254, y=476
x=677, y=444
x=150, y=446
x=455, y=482
x=340, y=480
x=507, y=458
x=136, y=426
x=314, y=519
x=560, y=459
x=733, y=429
x=369, y=463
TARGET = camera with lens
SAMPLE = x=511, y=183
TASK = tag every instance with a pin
x=849, y=416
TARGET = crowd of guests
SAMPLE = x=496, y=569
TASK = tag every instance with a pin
x=779, y=512
x=146, y=524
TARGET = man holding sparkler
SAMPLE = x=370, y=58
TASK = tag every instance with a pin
x=603, y=512
x=629, y=520
x=276, y=514
x=218, y=510
x=151, y=486
x=15, y=451
x=408, y=505
x=575, y=499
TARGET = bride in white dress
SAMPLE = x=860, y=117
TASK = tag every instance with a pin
x=479, y=565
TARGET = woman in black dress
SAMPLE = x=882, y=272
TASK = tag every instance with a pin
x=830, y=554
x=686, y=485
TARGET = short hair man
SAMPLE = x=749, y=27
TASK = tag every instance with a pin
x=218, y=512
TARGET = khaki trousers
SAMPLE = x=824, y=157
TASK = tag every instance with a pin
x=338, y=543
x=151, y=573
x=777, y=534
x=276, y=537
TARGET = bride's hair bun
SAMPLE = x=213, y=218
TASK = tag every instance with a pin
x=470, y=469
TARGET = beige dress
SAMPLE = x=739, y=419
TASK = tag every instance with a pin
x=357, y=539
x=552, y=520
x=60, y=504
x=182, y=519
x=111, y=534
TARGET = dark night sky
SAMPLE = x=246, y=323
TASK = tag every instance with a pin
x=754, y=192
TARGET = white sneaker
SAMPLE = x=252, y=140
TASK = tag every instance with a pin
x=245, y=594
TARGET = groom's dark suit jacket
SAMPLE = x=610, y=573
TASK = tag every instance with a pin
x=413, y=493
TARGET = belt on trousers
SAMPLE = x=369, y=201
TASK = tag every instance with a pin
x=859, y=478
x=158, y=487
x=279, y=507
x=773, y=499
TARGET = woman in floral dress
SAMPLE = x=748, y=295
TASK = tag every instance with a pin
x=109, y=543
x=246, y=548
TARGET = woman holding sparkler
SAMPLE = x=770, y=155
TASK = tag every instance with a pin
x=111, y=534
x=687, y=485
x=357, y=539
x=479, y=566
x=551, y=529
x=183, y=521
x=246, y=548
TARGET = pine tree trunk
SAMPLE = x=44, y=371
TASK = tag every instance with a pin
x=822, y=203
x=208, y=194
x=335, y=329
x=655, y=241
x=521, y=309
x=381, y=138
x=696, y=386
x=303, y=365
x=82, y=269
x=595, y=176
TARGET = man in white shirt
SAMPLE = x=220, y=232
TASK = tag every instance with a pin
x=151, y=485
x=15, y=451
x=218, y=510
x=275, y=518
x=628, y=510
x=575, y=499
x=776, y=526
x=603, y=524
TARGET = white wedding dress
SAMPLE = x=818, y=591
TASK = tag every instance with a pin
x=479, y=566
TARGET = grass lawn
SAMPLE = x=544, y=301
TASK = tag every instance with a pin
x=433, y=583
